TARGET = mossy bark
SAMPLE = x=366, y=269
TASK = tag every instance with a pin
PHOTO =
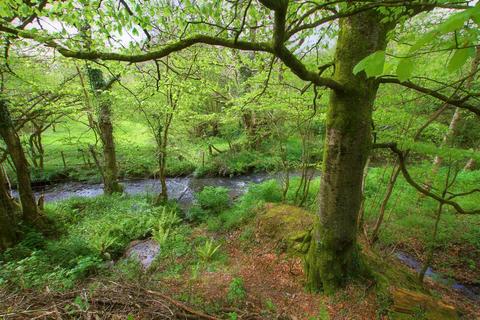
x=8, y=210
x=105, y=128
x=333, y=255
x=30, y=212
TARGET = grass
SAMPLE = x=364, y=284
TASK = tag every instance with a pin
x=136, y=154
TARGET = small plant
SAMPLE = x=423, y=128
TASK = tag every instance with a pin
x=207, y=251
x=169, y=218
x=236, y=291
x=166, y=221
x=270, y=305
x=102, y=243
x=161, y=234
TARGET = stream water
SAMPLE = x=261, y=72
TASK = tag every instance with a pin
x=184, y=189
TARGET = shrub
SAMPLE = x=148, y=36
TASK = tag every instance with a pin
x=211, y=201
x=93, y=230
x=214, y=199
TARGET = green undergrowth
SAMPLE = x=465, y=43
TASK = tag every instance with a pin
x=214, y=208
x=91, y=232
x=410, y=218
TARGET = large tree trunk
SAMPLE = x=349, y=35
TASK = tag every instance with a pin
x=333, y=256
x=8, y=210
x=105, y=127
x=30, y=212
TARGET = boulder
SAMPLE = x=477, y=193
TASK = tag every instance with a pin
x=287, y=227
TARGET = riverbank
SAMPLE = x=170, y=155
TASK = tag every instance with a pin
x=457, y=255
x=234, y=272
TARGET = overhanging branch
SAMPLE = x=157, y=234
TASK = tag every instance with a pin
x=401, y=159
x=460, y=103
x=281, y=52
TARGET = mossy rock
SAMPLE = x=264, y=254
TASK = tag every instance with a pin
x=287, y=227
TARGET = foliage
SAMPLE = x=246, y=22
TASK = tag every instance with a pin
x=211, y=201
x=167, y=220
x=214, y=199
x=207, y=251
x=88, y=240
x=236, y=291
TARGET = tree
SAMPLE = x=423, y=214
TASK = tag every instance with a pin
x=8, y=211
x=363, y=32
x=104, y=127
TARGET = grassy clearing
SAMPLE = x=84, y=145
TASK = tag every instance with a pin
x=136, y=154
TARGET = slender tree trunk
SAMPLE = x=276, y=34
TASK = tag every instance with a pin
x=162, y=140
x=430, y=250
x=30, y=212
x=453, y=128
x=386, y=199
x=162, y=164
x=471, y=165
x=448, y=140
x=111, y=184
x=333, y=255
x=8, y=210
x=105, y=127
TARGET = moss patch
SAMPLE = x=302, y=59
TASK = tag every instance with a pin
x=287, y=227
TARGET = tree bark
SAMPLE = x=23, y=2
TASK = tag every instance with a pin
x=471, y=165
x=333, y=255
x=105, y=128
x=30, y=212
x=8, y=210
x=162, y=144
x=383, y=206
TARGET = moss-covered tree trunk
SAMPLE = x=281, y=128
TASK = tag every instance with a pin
x=332, y=257
x=30, y=212
x=162, y=145
x=8, y=210
x=105, y=128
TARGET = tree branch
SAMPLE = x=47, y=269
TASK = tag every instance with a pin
x=280, y=51
x=461, y=103
x=401, y=160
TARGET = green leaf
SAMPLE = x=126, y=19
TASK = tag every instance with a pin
x=404, y=69
x=429, y=37
x=372, y=64
x=459, y=58
x=455, y=22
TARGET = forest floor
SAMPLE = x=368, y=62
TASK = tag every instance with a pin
x=254, y=275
